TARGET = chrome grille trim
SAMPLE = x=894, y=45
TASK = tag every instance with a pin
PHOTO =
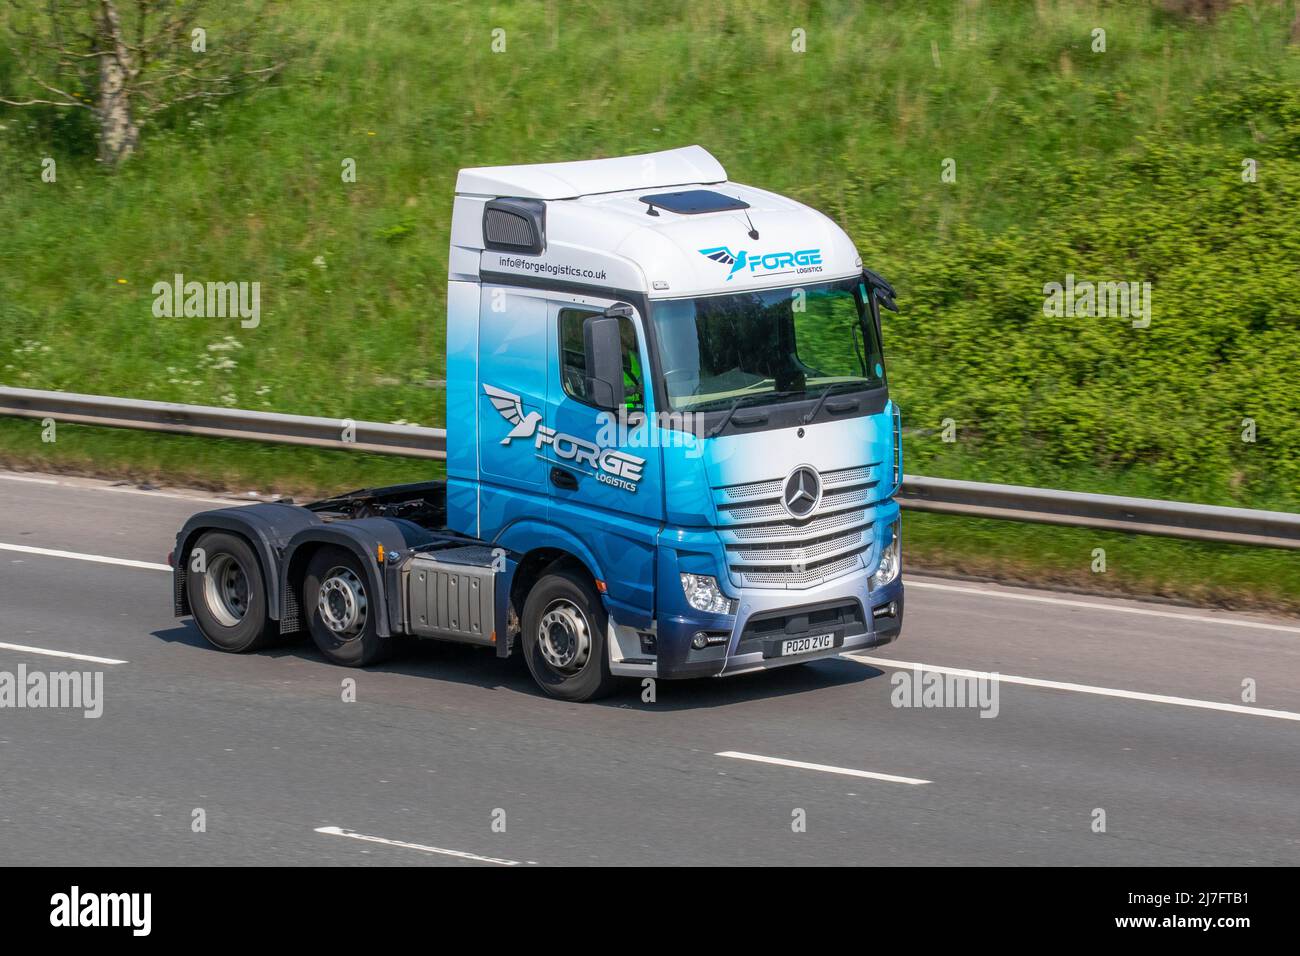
x=767, y=548
x=789, y=529
x=771, y=490
x=813, y=574
x=768, y=511
x=782, y=553
x=756, y=491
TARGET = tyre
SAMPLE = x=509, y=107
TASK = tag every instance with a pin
x=228, y=597
x=341, y=611
x=564, y=638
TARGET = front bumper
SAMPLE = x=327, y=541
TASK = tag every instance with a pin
x=783, y=614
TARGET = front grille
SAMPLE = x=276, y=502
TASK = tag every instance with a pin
x=772, y=489
x=811, y=549
x=768, y=548
x=757, y=489
x=782, y=531
x=831, y=501
x=806, y=577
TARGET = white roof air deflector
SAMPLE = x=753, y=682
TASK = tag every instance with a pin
x=689, y=165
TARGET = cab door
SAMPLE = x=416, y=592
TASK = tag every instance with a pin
x=603, y=470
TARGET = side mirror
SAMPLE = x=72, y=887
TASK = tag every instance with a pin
x=879, y=292
x=602, y=348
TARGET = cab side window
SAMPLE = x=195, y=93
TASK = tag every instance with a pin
x=573, y=365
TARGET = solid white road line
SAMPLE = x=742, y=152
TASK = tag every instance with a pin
x=76, y=556
x=1079, y=688
x=30, y=479
x=339, y=831
x=49, y=653
x=1098, y=606
x=179, y=496
x=824, y=768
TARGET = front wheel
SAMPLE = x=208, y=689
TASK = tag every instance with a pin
x=564, y=632
x=341, y=610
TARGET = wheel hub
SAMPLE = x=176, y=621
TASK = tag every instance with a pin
x=564, y=638
x=225, y=585
x=342, y=603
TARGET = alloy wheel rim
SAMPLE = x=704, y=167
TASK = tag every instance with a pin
x=342, y=603
x=564, y=637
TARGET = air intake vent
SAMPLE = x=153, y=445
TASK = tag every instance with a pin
x=515, y=225
x=509, y=229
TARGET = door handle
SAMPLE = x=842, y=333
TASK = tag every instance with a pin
x=564, y=479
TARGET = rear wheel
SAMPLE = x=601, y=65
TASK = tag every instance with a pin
x=341, y=611
x=228, y=596
x=564, y=638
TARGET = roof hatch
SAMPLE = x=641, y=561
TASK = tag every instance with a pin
x=692, y=202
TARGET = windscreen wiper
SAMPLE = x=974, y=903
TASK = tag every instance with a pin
x=826, y=394
x=726, y=419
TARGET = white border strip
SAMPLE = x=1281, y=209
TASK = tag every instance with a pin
x=1079, y=688
x=824, y=768
x=461, y=854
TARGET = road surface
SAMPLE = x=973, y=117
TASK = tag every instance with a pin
x=1112, y=712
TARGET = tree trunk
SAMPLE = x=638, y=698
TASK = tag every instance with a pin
x=118, y=131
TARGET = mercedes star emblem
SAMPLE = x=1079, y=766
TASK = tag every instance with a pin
x=802, y=491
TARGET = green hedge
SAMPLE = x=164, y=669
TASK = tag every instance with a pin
x=1122, y=165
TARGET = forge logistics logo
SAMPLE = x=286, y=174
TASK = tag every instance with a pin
x=766, y=263
x=611, y=466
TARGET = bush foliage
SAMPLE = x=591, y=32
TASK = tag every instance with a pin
x=1116, y=165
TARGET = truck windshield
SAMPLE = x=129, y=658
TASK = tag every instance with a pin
x=774, y=344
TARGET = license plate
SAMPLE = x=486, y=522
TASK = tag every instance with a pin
x=806, y=645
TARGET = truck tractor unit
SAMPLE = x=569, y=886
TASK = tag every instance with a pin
x=671, y=450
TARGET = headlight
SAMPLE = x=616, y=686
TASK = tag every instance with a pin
x=703, y=594
x=891, y=556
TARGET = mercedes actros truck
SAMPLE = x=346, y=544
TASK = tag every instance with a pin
x=671, y=450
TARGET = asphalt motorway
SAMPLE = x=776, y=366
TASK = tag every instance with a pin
x=1120, y=734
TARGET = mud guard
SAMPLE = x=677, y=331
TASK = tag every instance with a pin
x=267, y=527
x=363, y=537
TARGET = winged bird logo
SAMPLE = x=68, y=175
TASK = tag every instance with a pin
x=610, y=466
x=511, y=408
x=764, y=264
x=728, y=258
